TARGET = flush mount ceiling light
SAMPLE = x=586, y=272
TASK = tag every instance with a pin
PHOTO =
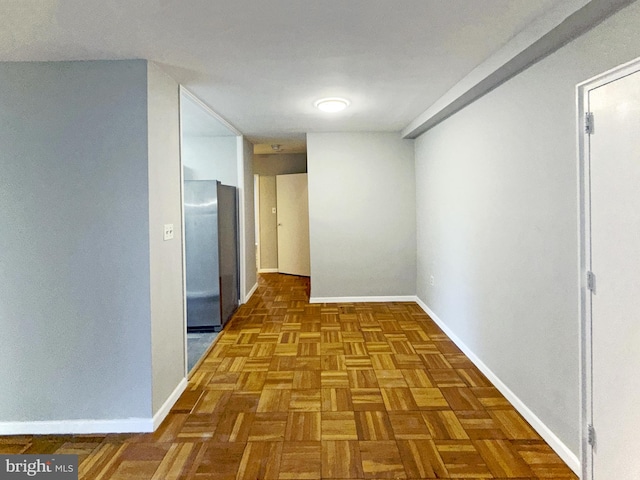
x=333, y=104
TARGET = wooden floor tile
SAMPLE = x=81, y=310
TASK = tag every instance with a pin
x=306, y=379
x=367, y=399
x=417, y=378
x=409, y=425
x=502, y=459
x=480, y=425
x=429, y=398
x=444, y=425
x=212, y=401
x=274, y=400
x=267, y=427
x=301, y=461
x=349, y=391
x=241, y=401
x=381, y=459
x=303, y=427
x=334, y=379
x=187, y=401
x=337, y=400
x=543, y=461
x=398, y=399
x=282, y=379
x=461, y=399
x=218, y=460
x=305, y=400
x=341, y=459
x=260, y=460
x=391, y=379
x=362, y=378
x=421, y=459
x=233, y=427
x=339, y=426
x=373, y=425
x=513, y=425
x=462, y=460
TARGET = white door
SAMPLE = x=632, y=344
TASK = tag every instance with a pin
x=614, y=156
x=292, y=202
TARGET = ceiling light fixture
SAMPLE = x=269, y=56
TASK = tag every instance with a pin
x=333, y=104
x=276, y=147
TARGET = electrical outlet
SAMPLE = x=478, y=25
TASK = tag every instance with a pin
x=168, y=231
x=432, y=280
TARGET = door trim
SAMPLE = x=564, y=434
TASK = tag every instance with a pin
x=584, y=252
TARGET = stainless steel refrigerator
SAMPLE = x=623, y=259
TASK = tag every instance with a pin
x=211, y=248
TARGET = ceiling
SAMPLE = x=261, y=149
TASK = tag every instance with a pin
x=195, y=121
x=261, y=64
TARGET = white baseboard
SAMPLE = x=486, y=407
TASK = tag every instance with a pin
x=400, y=298
x=554, y=442
x=164, y=410
x=268, y=270
x=88, y=426
x=62, y=427
x=251, y=292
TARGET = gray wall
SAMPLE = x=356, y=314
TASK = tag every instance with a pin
x=280, y=164
x=362, y=214
x=211, y=158
x=248, y=216
x=268, y=223
x=167, y=298
x=74, y=268
x=497, y=223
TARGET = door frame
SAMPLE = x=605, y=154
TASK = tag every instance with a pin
x=584, y=252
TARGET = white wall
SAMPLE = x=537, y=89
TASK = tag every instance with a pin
x=211, y=158
x=74, y=267
x=361, y=214
x=167, y=299
x=247, y=219
x=497, y=223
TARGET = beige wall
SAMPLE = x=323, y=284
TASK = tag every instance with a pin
x=167, y=298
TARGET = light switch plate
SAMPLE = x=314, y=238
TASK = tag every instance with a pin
x=168, y=231
x=273, y=210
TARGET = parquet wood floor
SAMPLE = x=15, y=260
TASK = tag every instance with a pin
x=297, y=391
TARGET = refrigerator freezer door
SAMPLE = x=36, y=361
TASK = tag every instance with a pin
x=201, y=251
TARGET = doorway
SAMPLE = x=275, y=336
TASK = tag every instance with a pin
x=609, y=110
x=267, y=167
x=209, y=153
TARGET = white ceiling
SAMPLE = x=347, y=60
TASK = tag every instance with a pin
x=260, y=64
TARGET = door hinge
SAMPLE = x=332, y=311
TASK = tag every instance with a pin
x=588, y=123
x=591, y=435
x=591, y=281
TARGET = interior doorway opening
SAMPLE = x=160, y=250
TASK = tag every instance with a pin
x=267, y=168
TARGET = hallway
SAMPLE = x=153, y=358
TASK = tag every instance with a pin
x=293, y=390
